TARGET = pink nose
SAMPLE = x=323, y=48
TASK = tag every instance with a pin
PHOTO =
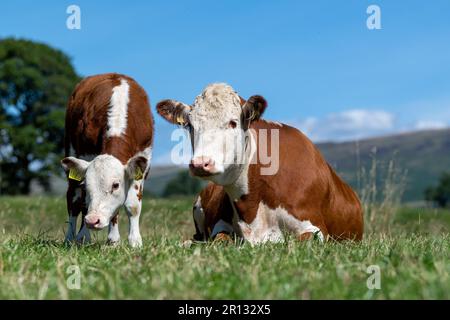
x=202, y=166
x=92, y=221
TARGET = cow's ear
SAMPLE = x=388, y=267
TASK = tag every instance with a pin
x=173, y=111
x=136, y=167
x=253, y=109
x=76, y=168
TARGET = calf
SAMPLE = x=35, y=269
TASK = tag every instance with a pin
x=108, y=142
x=297, y=191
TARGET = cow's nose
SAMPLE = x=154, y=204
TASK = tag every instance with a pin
x=92, y=221
x=202, y=166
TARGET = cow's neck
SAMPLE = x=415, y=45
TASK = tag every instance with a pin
x=240, y=186
x=119, y=148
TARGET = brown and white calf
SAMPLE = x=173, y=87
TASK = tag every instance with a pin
x=108, y=142
x=296, y=190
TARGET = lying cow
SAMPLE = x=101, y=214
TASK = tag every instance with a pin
x=108, y=142
x=302, y=194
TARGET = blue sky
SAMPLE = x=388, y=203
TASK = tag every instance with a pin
x=318, y=65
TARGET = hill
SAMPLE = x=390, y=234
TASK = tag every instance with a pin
x=424, y=154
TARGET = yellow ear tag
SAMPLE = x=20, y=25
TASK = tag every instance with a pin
x=75, y=175
x=138, y=175
x=180, y=119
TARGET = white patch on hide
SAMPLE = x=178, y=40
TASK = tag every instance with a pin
x=269, y=224
x=118, y=110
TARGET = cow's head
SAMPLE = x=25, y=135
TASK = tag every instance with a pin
x=107, y=182
x=218, y=123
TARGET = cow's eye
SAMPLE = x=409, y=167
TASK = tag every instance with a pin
x=232, y=124
x=115, y=186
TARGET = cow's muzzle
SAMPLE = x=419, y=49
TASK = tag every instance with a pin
x=202, y=167
x=93, y=221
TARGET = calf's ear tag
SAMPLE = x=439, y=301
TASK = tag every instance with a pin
x=75, y=175
x=180, y=119
x=138, y=175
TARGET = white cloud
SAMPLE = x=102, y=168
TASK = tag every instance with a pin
x=430, y=124
x=348, y=125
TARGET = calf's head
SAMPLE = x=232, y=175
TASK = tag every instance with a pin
x=107, y=182
x=218, y=123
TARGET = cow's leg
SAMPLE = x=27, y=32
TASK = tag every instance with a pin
x=308, y=230
x=83, y=235
x=73, y=196
x=133, y=206
x=113, y=230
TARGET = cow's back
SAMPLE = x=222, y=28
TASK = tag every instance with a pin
x=87, y=118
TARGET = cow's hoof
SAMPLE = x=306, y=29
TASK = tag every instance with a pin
x=68, y=242
x=187, y=243
x=112, y=242
x=222, y=238
x=135, y=242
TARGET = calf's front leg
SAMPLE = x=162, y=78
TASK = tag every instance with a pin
x=133, y=206
x=113, y=230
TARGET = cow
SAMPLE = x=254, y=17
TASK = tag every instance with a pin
x=212, y=213
x=108, y=144
x=296, y=192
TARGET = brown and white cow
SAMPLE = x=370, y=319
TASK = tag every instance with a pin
x=296, y=190
x=108, y=142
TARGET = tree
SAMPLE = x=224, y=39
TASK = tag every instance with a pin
x=440, y=194
x=35, y=83
x=183, y=184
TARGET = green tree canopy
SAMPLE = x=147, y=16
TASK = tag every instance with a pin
x=183, y=184
x=35, y=83
x=440, y=194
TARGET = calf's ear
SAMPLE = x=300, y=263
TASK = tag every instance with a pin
x=173, y=111
x=76, y=168
x=253, y=109
x=136, y=167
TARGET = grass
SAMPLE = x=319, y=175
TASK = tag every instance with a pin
x=413, y=259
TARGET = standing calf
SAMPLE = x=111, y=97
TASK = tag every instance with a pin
x=296, y=191
x=108, y=142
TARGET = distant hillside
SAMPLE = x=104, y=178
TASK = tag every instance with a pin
x=159, y=178
x=424, y=154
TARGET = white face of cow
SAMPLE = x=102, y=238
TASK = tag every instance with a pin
x=218, y=122
x=107, y=182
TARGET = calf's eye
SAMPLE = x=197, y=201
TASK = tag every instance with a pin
x=115, y=186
